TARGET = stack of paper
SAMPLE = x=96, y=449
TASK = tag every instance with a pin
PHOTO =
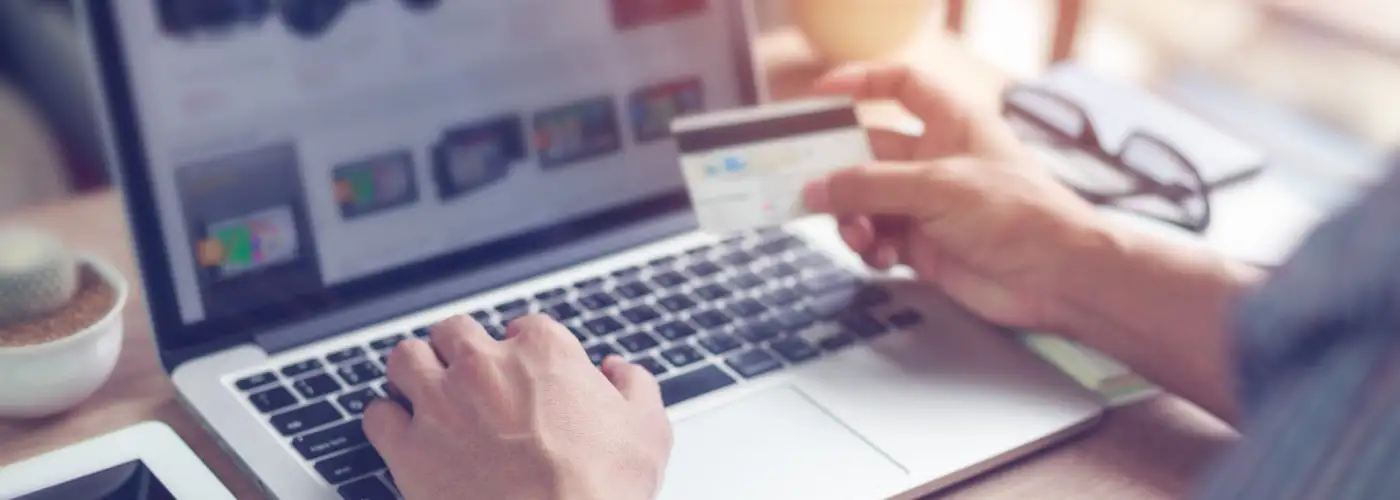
x=1114, y=382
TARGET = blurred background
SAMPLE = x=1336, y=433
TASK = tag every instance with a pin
x=1313, y=83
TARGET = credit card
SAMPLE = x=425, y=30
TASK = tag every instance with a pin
x=745, y=168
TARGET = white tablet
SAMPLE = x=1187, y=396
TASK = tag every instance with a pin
x=147, y=461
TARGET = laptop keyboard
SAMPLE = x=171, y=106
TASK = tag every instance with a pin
x=700, y=320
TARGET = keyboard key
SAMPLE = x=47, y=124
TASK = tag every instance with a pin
x=872, y=296
x=549, y=295
x=422, y=333
x=598, y=352
x=700, y=250
x=255, y=381
x=778, y=271
x=677, y=303
x=719, y=343
x=316, y=386
x=344, y=355
x=838, y=341
x=862, y=324
x=747, y=308
x=733, y=242
x=562, y=311
x=697, y=383
x=837, y=279
x=906, y=319
x=513, y=309
x=753, y=362
x=640, y=314
x=588, y=284
x=578, y=333
x=682, y=355
x=272, y=399
x=746, y=281
x=670, y=279
x=482, y=317
x=737, y=258
x=711, y=319
x=795, y=349
x=675, y=330
x=760, y=331
x=360, y=373
x=301, y=368
x=354, y=463
x=704, y=269
x=778, y=245
x=387, y=343
x=603, y=326
x=512, y=315
x=831, y=304
x=637, y=342
x=496, y=332
x=355, y=402
x=366, y=488
x=662, y=262
x=795, y=319
x=305, y=418
x=781, y=297
x=597, y=300
x=651, y=364
x=331, y=440
x=814, y=261
x=633, y=290
x=626, y=272
x=712, y=291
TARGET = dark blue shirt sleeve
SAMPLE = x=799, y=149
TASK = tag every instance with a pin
x=1318, y=366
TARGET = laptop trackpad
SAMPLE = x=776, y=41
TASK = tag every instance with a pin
x=773, y=444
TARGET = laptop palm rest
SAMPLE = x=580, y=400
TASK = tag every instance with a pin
x=776, y=443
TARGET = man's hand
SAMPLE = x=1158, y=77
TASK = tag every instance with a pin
x=525, y=418
x=973, y=213
x=964, y=205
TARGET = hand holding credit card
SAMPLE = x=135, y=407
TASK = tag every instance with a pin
x=745, y=168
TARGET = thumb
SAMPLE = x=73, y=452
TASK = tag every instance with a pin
x=911, y=189
x=634, y=382
x=386, y=425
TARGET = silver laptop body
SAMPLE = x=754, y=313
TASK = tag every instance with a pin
x=311, y=181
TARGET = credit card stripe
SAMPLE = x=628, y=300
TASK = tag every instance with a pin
x=773, y=128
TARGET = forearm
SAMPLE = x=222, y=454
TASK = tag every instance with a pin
x=1161, y=308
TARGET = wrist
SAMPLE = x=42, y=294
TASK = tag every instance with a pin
x=1088, y=263
x=1109, y=273
x=605, y=483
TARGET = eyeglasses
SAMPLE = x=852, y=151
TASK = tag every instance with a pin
x=1145, y=175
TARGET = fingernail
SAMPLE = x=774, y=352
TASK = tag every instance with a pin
x=611, y=362
x=816, y=195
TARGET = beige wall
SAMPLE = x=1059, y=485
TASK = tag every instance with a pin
x=30, y=169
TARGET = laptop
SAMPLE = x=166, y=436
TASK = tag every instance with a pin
x=310, y=182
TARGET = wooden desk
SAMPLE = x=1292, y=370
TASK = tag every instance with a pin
x=1151, y=450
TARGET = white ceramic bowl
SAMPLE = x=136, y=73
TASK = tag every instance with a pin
x=47, y=379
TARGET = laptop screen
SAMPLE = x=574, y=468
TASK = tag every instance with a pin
x=302, y=156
